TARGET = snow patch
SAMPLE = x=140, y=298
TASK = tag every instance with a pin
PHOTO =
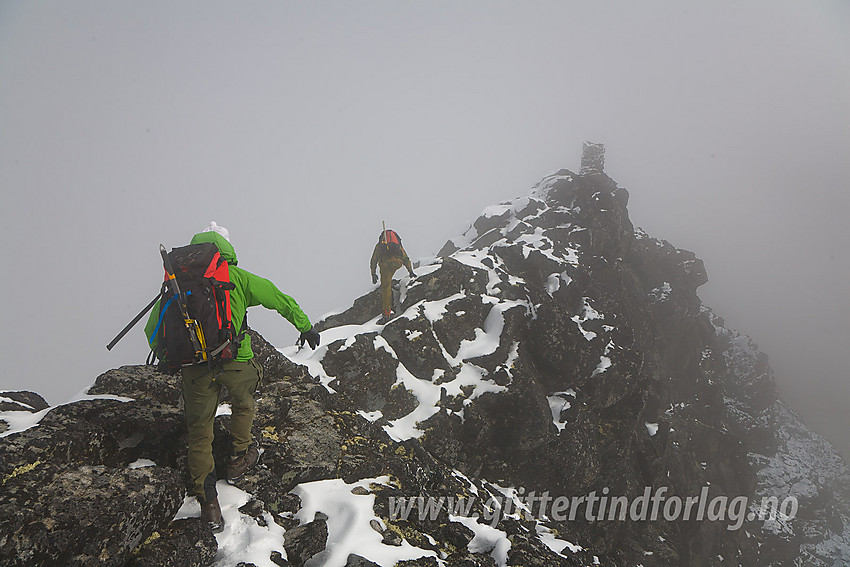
x=558, y=402
x=243, y=539
x=11, y=401
x=475, y=259
x=661, y=293
x=432, y=310
x=554, y=543
x=349, y=517
x=604, y=364
x=513, y=355
x=588, y=313
x=21, y=420
x=85, y=397
x=553, y=282
x=426, y=393
x=371, y=416
x=488, y=339
x=541, y=190
x=487, y=539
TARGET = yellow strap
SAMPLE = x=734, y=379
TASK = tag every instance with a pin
x=199, y=332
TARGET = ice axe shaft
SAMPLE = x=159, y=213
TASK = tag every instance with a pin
x=384, y=235
x=132, y=323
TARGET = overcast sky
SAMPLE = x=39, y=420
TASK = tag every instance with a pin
x=300, y=126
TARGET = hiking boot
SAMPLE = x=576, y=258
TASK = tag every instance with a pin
x=211, y=514
x=240, y=464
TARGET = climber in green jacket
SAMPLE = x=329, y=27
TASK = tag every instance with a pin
x=241, y=376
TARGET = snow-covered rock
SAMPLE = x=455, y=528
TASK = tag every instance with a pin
x=550, y=352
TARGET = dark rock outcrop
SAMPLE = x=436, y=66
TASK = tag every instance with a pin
x=184, y=543
x=89, y=515
x=569, y=353
x=305, y=541
x=22, y=401
x=552, y=351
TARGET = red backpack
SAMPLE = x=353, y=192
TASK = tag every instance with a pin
x=391, y=242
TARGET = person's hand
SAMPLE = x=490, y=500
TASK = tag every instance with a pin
x=412, y=274
x=311, y=337
x=374, y=278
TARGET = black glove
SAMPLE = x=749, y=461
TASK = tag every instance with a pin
x=311, y=337
x=374, y=278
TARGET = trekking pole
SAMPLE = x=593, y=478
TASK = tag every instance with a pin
x=132, y=323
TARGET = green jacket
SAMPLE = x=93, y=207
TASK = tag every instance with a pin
x=250, y=290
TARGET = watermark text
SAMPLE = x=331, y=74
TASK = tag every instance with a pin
x=652, y=505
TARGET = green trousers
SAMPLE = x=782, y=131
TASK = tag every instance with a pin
x=201, y=396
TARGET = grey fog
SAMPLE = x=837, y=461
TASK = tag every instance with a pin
x=301, y=126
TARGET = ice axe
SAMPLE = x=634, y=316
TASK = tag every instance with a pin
x=132, y=323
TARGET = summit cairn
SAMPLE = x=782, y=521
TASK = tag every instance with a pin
x=592, y=158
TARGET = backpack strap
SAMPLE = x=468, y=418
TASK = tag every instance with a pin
x=236, y=341
x=162, y=311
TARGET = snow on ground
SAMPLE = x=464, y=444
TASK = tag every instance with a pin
x=514, y=507
x=423, y=270
x=21, y=420
x=349, y=516
x=605, y=360
x=661, y=293
x=487, y=539
x=486, y=341
x=11, y=401
x=523, y=210
x=83, y=395
x=488, y=337
x=243, y=539
x=553, y=282
x=558, y=402
x=370, y=416
x=429, y=393
x=475, y=259
x=554, y=543
x=426, y=393
x=588, y=313
x=604, y=364
x=312, y=359
x=541, y=190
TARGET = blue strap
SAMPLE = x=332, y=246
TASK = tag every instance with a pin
x=161, y=315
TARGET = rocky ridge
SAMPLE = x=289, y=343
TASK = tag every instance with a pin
x=552, y=348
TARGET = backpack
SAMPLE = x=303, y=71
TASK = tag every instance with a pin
x=391, y=244
x=203, y=277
